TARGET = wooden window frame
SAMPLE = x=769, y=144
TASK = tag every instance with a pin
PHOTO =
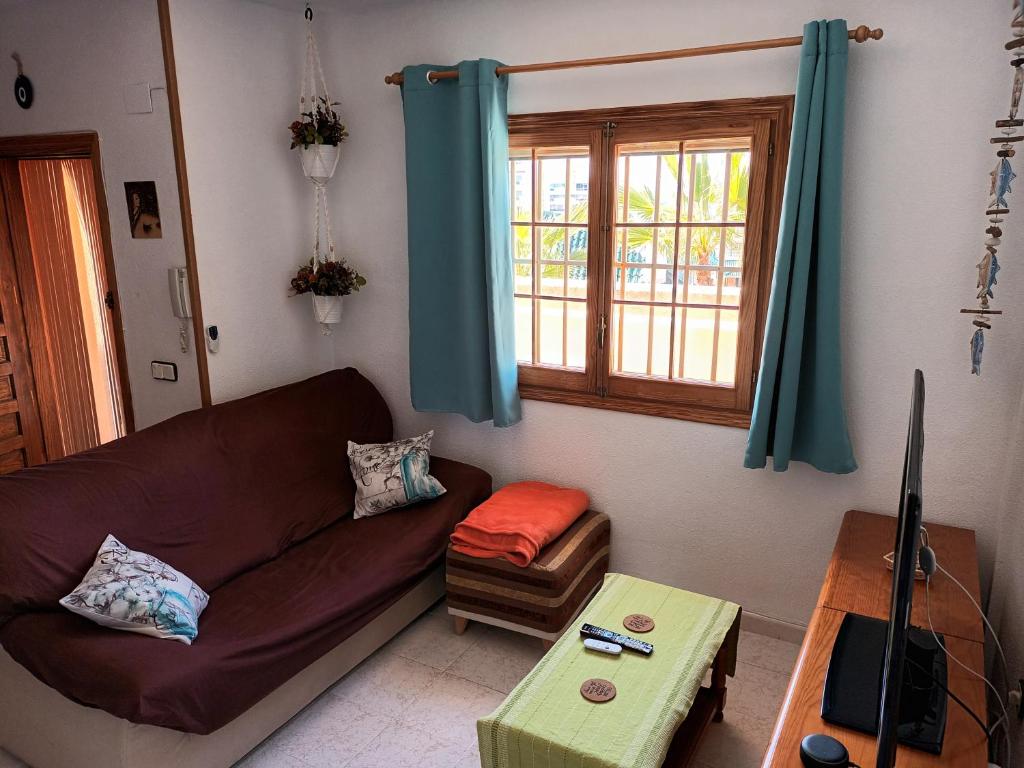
x=766, y=122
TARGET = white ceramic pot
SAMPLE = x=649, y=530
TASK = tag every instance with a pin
x=327, y=309
x=319, y=161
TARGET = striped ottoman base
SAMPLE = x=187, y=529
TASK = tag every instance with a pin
x=541, y=599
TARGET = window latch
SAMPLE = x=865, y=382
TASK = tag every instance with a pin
x=602, y=328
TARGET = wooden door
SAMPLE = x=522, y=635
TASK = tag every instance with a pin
x=21, y=440
x=64, y=335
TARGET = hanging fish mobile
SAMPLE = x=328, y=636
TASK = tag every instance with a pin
x=1000, y=187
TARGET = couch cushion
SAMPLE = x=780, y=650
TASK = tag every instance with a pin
x=260, y=628
x=215, y=491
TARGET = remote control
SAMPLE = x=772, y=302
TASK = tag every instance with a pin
x=630, y=643
x=600, y=645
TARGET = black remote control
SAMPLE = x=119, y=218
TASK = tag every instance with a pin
x=630, y=643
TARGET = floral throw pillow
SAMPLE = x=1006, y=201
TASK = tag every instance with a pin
x=136, y=592
x=390, y=475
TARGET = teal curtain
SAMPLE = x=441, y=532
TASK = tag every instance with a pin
x=461, y=312
x=798, y=410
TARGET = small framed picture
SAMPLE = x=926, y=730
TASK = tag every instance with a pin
x=143, y=209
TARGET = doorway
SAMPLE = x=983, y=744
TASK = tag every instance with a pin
x=63, y=383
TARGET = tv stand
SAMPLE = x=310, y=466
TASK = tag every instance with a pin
x=857, y=582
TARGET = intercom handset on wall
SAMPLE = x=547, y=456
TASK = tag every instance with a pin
x=177, y=277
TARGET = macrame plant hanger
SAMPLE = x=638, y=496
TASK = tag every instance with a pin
x=319, y=161
x=1002, y=177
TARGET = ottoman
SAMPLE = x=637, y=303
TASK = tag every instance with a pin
x=541, y=599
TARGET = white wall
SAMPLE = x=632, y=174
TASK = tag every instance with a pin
x=239, y=66
x=1007, y=598
x=79, y=57
x=920, y=109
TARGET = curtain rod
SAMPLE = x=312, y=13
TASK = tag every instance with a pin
x=860, y=35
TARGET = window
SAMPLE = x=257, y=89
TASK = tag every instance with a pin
x=643, y=246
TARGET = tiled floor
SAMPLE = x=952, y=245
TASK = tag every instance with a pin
x=415, y=703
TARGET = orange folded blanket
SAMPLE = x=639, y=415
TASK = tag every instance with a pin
x=518, y=521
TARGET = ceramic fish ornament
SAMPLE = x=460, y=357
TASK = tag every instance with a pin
x=987, y=269
x=1002, y=177
x=977, y=347
x=1018, y=86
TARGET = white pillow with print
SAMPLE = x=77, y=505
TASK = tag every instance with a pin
x=391, y=475
x=136, y=592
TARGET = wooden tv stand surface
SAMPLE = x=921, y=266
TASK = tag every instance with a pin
x=857, y=581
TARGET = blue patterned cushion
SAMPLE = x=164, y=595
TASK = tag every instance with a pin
x=136, y=592
x=390, y=475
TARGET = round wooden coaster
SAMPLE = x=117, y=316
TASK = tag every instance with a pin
x=597, y=690
x=638, y=622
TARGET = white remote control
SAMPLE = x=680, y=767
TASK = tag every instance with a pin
x=600, y=645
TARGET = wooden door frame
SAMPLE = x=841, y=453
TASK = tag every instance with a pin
x=184, y=200
x=82, y=145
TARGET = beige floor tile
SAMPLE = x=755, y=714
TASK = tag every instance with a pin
x=385, y=684
x=267, y=755
x=431, y=641
x=452, y=706
x=767, y=652
x=756, y=691
x=406, y=747
x=499, y=660
x=330, y=732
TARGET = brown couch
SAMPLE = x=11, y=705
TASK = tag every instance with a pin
x=253, y=500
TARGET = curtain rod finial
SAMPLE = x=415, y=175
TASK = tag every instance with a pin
x=863, y=33
x=395, y=78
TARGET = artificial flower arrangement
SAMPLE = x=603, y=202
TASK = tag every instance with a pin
x=332, y=278
x=320, y=126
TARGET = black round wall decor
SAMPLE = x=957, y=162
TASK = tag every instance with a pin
x=23, y=91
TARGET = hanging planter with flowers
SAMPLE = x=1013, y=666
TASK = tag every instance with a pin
x=318, y=134
x=328, y=283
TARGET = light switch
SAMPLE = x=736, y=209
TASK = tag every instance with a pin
x=164, y=371
x=137, y=99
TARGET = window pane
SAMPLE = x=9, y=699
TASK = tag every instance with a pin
x=642, y=183
x=703, y=286
x=524, y=330
x=739, y=182
x=522, y=188
x=666, y=237
x=577, y=284
x=734, y=246
x=702, y=244
x=576, y=337
x=705, y=184
x=552, y=243
x=579, y=189
x=577, y=244
x=661, y=340
x=523, y=278
x=550, y=260
x=522, y=247
x=697, y=341
x=669, y=187
x=552, y=188
x=552, y=280
x=629, y=338
x=551, y=317
x=728, y=326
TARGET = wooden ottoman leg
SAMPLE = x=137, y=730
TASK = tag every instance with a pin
x=718, y=687
x=547, y=644
x=459, y=624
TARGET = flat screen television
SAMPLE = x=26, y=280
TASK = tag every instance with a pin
x=887, y=677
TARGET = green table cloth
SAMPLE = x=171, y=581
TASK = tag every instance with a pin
x=545, y=722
